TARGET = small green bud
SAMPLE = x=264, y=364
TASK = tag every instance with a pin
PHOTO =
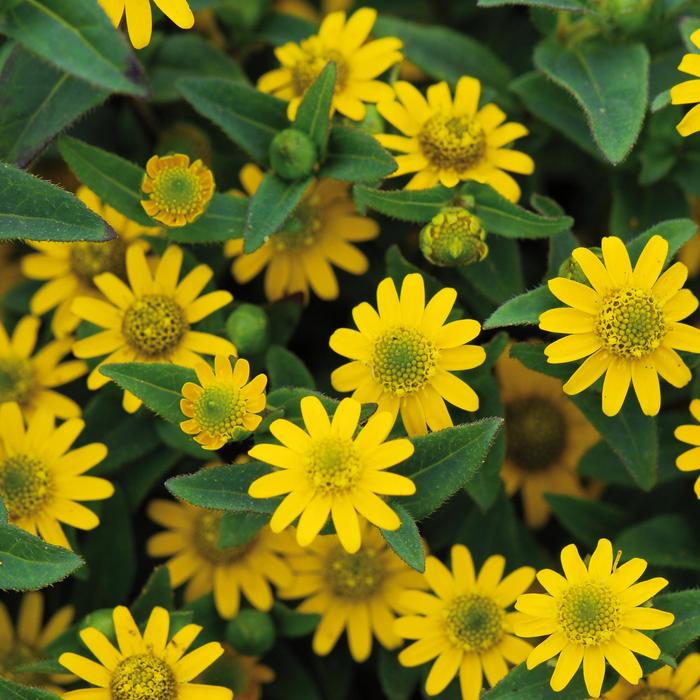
x=251, y=633
x=571, y=270
x=292, y=154
x=372, y=122
x=248, y=329
x=454, y=238
x=627, y=15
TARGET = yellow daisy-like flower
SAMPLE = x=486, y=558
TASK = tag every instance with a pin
x=403, y=355
x=191, y=541
x=626, y=323
x=356, y=593
x=464, y=623
x=688, y=92
x=26, y=645
x=150, y=319
x=30, y=378
x=145, y=666
x=546, y=436
x=139, y=20
x=326, y=470
x=683, y=683
x=449, y=141
x=320, y=233
x=69, y=268
x=178, y=193
x=358, y=63
x=41, y=478
x=689, y=461
x=223, y=404
x=592, y=615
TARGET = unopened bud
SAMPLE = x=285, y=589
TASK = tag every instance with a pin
x=292, y=154
x=454, y=237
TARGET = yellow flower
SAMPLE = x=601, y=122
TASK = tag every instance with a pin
x=592, y=615
x=191, y=541
x=325, y=470
x=402, y=357
x=30, y=378
x=27, y=644
x=150, y=320
x=41, y=478
x=358, y=64
x=70, y=267
x=450, y=141
x=689, y=461
x=464, y=623
x=688, y=92
x=356, y=593
x=147, y=666
x=319, y=234
x=626, y=323
x=683, y=683
x=139, y=20
x=223, y=404
x=546, y=436
x=179, y=193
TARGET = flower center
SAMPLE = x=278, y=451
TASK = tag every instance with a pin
x=455, y=143
x=178, y=190
x=535, y=433
x=143, y=677
x=17, y=655
x=354, y=576
x=631, y=323
x=154, y=325
x=219, y=410
x=90, y=259
x=654, y=694
x=206, y=540
x=316, y=56
x=333, y=464
x=302, y=228
x=17, y=379
x=589, y=613
x=403, y=359
x=26, y=484
x=474, y=622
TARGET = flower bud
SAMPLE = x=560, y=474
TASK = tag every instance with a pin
x=292, y=154
x=248, y=329
x=251, y=633
x=454, y=237
x=627, y=15
x=571, y=270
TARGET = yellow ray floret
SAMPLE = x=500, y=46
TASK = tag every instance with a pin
x=681, y=683
x=688, y=92
x=689, y=461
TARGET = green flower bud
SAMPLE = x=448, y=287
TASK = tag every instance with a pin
x=627, y=15
x=292, y=154
x=454, y=237
x=372, y=122
x=251, y=633
x=571, y=270
x=248, y=329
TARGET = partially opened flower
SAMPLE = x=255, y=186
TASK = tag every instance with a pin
x=151, y=319
x=464, y=624
x=681, y=683
x=326, y=470
x=592, y=616
x=689, y=461
x=626, y=322
x=358, y=64
x=449, y=140
x=688, y=92
x=403, y=354
x=144, y=666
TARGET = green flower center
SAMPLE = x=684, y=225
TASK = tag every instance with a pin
x=316, y=56
x=403, y=359
x=536, y=433
x=631, y=323
x=143, y=677
x=177, y=190
x=154, y=325
x=220, y=409
x=354, y=576
x=206, y=540
x=26, y=483
x=655, y=694
x=17, y=379
x=90, y=259
x=452, y=143
x=302, y=228
x=474, y=622
x=333, y=464
x=589, y=613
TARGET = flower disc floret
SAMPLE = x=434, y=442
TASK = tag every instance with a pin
x=589, y=613
x=333, y=464
x=206, y=540
x=452, y=142
x=154, y=325
x=655, y=694
x=220, y=409
x=26, y=484
x=143, y=677
x=474, y=622
x=354, y=576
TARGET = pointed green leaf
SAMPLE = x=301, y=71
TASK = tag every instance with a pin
x=356, y=156
x=525, y=309
x=676, y=231
x=313, y=115
x=156, y=592
x=419, y=206
x=685, y=605
x=406, y=541
x=237, y=529
x=15, y=691
x=291, y=623
x=223, y=220
x=523, y=684
x=284, y=368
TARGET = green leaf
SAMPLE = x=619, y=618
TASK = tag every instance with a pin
x=500, y=276
x=34, y=209
x=158, y=385
x=521, y=684
x=15, y=691
x=223, y=220
x=238, y=529
x=288, y=400
x=444, y=462
x=291, y=623
x=113, y=179
x=171, y=435
x=610, y=83
x=284, y=368
x=152, y=470
x=397, y=267
x=278, y=28
x=676, y=231
x=587, y=520
x=156, y=592
x=398, y=682
x=37, y=102
x=313, y=115
x=270, y=207
x=685, y=605
x=419, y=206
x=525, y=309
x=406, y=541
x=356, y=156
x=570, y=5
x=248, y=117
x=76, y=37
